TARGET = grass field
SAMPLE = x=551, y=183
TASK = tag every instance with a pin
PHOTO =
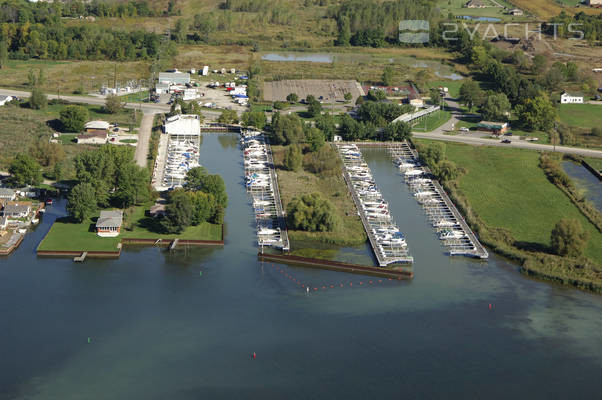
x=456, y=7
x=349, y=231
x=546, y=9
x=452, y=86
x=432, y=122
x=68, y=236
x=580, y=115
x=595, y=162
x=507, y=189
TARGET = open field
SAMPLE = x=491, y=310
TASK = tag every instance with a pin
x=68, y=236
x=349, y=231
x=326, y=89
x=580, y=115
x=432, y=122
x=507, y=189
x=452, y=86
x=546, y=9
x=456, y=7
x=67, y=76
x=595, y=162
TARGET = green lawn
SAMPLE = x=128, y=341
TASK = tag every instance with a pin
x=507, y=189
x=432, y=122
x=452, y=86
x=580, y=115
x=595, y=162
x=68, y=236
x=138, y=97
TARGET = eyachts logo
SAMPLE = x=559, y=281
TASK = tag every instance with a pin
x=410, y=31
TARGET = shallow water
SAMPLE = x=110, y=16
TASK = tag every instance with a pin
x=159, y=329
x=585, y=181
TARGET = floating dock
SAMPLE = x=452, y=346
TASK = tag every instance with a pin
x=451, y=227
x=262, y=184
x=389, y=247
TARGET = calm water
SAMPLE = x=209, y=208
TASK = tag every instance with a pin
x=160, y=330
x=585, y=181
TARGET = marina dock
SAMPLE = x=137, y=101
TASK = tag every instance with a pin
x=262, y=184
x=451, y=227
x=388, y=243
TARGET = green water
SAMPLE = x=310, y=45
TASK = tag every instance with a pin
x=159, y=329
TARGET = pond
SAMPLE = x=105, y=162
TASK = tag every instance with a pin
x=480, y=19
x=585, y=181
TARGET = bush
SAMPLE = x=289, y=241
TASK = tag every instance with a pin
x=323, y=162
x=113, y=105
x=568, y=238
x=38, y=99
x=74, y=118
x=292, y=158
x=311, y=213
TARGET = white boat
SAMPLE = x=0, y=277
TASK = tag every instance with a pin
x=426, y=193
x=414, y=172
x=452, y=235
x=444, y=223
x=267, y=231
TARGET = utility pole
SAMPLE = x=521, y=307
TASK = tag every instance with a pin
x=115, y=77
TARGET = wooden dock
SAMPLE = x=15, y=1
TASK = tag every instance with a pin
x=277, y=200
x=81, y=258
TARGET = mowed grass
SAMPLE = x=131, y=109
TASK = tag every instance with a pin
x=595, y=162
x=65, y=235
x=452, y=86
x=349, y=230
x=546, y=9
x=432, y=122
x=507, y=189
x=581, y=115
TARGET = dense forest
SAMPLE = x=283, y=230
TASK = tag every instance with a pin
x=590, y=25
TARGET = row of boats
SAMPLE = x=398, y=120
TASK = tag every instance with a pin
x=182, y=155
x=260, y=185
x=388, y=241
x=442, y=218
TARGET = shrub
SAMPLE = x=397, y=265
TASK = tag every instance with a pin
x=312, y=213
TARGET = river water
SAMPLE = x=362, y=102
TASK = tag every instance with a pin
x=585, y=181
x=184, y=325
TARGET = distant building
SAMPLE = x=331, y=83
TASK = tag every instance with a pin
x=16, y=209
x=417, y=102
x=496, y=127
x=109, y=223
x=5, y=99
x=174, y=78
x=475, y=4
x=205, y=70
x=594, y=2
x=3, y=222
x=566, y=98
x=7, y=194
x=92, y=138
x=517, y=11
x=97, y=126
x=183, y=127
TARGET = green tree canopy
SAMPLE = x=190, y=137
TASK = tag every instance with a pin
x=179, y=212
x=24, y=170
x=199, y=180
x=292, y=98
x=396, y=131
x=568, y=238
x=82, y=202
x=537, y=113
x=286, y=129
x=293, y=158
x=228, y=117
x=314, y=138
x=256, y=119
x=74, y=118
x=113, y=104
x=312, y=213
x=496, y=107
x=470, y=94
x=38, y=99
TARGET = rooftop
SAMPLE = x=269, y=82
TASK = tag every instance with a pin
x=97, y=125
x=110, y=219
x=183, y=124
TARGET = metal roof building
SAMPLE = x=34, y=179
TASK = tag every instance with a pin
x=174, y=78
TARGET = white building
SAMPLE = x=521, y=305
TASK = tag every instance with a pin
x=92, y=138
x=174, y=78
x=185, y=125
x=205, y=70
x=566, y=98
x=5, y=99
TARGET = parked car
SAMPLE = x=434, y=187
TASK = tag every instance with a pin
x=506, y=141
x=464, y=129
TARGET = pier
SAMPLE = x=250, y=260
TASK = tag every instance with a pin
x=81, y=258
x=452, y=229
x=262, y=184
x=387, y=242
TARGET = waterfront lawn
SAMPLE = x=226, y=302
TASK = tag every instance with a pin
x=507, y=189
x=66, y=235
x=595, y=162
x=349, y=230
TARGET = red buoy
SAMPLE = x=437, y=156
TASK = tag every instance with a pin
x=254, y=355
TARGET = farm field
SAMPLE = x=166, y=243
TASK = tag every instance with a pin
x=507, y=189
x=580, y=115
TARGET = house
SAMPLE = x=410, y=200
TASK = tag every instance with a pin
x=174, y=78
x=496, y=127
x=97, y=126
x=417, y=102
x=109, y=223
x=475, y=4
x=566, y=98
x=7, y=194
x=594, y=3
x=92, y=138
x=5, y=99
x=162, y=88
x=516, y=12
x=13, y=209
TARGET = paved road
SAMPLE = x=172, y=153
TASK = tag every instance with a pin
x=144, y=135
x=439, y=134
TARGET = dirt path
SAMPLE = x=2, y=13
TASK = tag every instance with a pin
x=144, y=135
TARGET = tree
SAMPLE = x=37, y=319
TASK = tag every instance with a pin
x=74, y=118
x=387, y=76
x=286, y=129
x=397, y=131
x=597, y=131
x=38, y=99
x=113, y=105
x=348, y=97
x=47, y=154
x=178, y=212
x=204, y=206
x=376, y=95
x=496, y=107
x=197, y=179
x=292, y=158
x=314, y=107
x=433, y=153
x=315, y=138
x=539, y=63
x=312, y=213
x=82, y=202
x=324, y=162
x=447, y=170
x=537, y=113
x=254, y=118
x=470, y=94
x=326, y=124
x=292, y=98
x=132, y=186
x=24, y=170
x=568, y=238
x=228, y=117
x=435, y=96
